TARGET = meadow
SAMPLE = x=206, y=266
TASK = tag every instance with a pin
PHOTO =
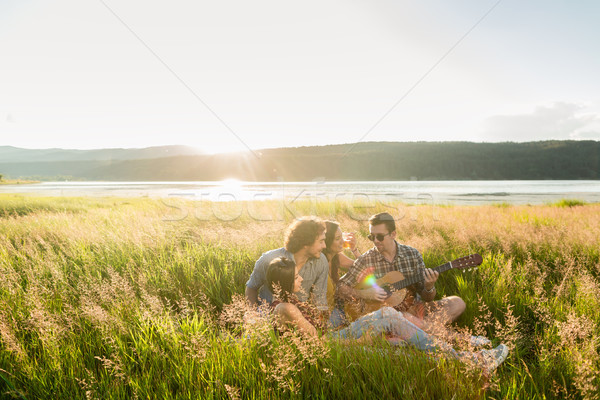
x=106, y=298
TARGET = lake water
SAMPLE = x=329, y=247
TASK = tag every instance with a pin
x=415, y=192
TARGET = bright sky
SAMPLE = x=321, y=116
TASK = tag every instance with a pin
x=131, y=73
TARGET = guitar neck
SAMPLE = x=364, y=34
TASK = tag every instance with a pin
x=416, y=279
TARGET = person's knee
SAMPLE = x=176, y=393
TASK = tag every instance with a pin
x=456, y=306
x=284, y=310
x=389, y=312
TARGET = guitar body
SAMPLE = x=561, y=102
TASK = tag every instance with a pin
x=358, y=309
x=394, y=283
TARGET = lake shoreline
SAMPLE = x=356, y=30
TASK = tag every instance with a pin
x=410, y=192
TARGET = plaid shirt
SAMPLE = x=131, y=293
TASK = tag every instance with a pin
x=408, y=260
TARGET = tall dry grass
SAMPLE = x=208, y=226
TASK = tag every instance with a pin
x=139, y=298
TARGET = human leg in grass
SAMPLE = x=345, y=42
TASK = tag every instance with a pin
x=434, y=318
x=389, y=321
x=444, y=311
x=383, y=321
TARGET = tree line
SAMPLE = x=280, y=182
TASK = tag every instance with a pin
x=362, y=162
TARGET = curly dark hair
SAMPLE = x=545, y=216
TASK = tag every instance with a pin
x=303, y=232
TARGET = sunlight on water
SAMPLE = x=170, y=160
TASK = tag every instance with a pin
x=413, y=192
x=231, y=183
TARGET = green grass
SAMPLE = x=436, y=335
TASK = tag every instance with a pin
x=570, y=203
x=16, y=181
x=115, y=298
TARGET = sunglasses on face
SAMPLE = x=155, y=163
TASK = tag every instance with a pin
x=379, y=237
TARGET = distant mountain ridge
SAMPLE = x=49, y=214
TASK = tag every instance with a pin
x=19, y=155
x=367, y=161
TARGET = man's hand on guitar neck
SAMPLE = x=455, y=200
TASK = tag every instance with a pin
x=431, y=277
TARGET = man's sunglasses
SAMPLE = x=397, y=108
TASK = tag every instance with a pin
x=379, y=237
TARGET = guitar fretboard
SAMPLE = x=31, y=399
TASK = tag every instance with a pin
x=419, y=278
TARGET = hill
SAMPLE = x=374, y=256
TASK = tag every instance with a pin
x=365, y=161
x=10, y=154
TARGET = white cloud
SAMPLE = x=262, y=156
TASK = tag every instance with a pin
x=559, y=121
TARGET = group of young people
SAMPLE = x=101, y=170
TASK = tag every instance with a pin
x=301, y=282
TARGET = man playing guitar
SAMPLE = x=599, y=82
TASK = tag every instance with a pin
x=387, y=256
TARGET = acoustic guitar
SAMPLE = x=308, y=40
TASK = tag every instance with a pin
x=394, y=283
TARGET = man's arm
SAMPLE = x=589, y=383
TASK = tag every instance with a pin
x=256, y=280
x=429, y=291
x=426, y=288
x=320, y=285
